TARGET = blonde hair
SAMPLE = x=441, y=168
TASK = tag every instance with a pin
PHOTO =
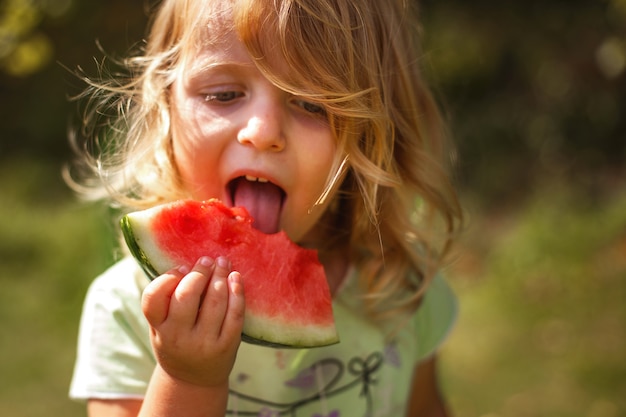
x=361, y=60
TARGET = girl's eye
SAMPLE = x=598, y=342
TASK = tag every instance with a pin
x=312, y=108
x=222, y=96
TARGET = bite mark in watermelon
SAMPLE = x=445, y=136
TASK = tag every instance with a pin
x=288, y=301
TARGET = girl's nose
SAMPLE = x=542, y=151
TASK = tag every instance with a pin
x=264, y=131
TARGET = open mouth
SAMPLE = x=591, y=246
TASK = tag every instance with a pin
x=263, y=200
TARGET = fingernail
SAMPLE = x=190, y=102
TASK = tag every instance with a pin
x=183, y=269
x=223, y=262
x=234, y=283
x=234, y=277
x=206, y=261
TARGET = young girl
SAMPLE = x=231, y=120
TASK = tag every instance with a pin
x=313, y=115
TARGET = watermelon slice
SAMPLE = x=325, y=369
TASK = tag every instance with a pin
x=288, y=302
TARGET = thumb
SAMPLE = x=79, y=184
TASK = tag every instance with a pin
x=156, y=297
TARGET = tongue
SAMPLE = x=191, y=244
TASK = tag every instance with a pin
x=263, y=200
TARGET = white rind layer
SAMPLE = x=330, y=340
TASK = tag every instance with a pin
x=140, y=223
x=272, y=332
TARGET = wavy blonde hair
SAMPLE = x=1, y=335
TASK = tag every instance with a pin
x=396, y=209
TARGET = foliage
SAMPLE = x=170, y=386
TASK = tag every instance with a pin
x=542, y=292
x=42, y=43
x=533, y=88
x=51, y=247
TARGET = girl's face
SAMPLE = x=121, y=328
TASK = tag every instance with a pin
x=239, y=138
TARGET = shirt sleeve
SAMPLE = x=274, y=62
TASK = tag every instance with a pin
x=435, y=318
x=114, y=358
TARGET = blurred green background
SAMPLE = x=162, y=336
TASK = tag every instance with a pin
x=535, y=94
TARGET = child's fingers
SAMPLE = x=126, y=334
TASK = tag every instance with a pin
x=155, y=300
x=188, y=295
x=214, y=305
x=233, y=323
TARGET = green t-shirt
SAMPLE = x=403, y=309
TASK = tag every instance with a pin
x=363, y=375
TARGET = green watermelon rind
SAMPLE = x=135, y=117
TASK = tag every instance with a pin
x=135, y=250
x=255, y=331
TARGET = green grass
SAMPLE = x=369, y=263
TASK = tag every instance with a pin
x=542, y=330
x=543, y=314
x=51, y=247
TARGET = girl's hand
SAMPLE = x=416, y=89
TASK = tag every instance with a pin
x=196, y=319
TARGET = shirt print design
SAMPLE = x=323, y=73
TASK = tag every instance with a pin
x=316, y=386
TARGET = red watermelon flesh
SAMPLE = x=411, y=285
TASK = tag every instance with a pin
x=288, y=302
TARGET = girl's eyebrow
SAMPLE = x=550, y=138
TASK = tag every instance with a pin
x=209, y=66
